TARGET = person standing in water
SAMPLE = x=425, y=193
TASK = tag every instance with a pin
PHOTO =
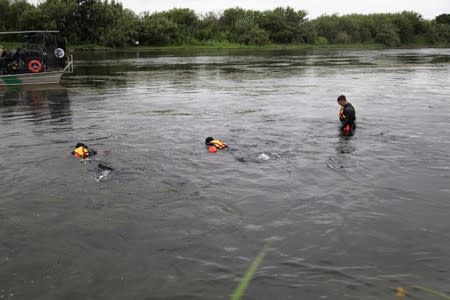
x=347, y=116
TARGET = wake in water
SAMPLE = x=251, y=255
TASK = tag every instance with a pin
x=102, y=170
x=102, y=176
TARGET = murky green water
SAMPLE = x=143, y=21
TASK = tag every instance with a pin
x=345, y=218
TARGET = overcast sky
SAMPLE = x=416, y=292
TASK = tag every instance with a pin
x=428, y=9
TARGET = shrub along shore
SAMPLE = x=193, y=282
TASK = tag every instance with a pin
x=272, y=47
x=94, y=24
x=230, y=46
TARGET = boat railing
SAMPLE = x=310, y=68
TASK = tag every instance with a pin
x=69, y=66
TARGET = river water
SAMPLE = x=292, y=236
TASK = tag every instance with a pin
x=343, y=218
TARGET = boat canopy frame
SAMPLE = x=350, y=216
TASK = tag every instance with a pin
x=46, y=46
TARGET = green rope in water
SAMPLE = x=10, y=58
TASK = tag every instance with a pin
x=240, y=290
x=430, y=291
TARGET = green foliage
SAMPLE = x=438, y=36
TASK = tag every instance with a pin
x=156, y=29
x=4, y=8
x=409, y=24
x=123, y=32
x=438, y=30
x=238, y=23
x=343, y=37
x=256, y=36
x=183, y=17
x=388, y=29
x=320, y=40
x=388, y=35
x=327, y=27
x=285, y=25
x=438, y=33
x=209, y=28
x=106, y=23
x=443, y=19
x=31, y=18
x=186, y=23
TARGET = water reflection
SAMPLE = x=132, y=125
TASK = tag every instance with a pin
x=36, y=104
x=343, y=162
x=345, y=145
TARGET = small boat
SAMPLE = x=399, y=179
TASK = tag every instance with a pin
x=43, y=59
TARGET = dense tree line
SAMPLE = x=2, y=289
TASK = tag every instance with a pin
x=107, y=23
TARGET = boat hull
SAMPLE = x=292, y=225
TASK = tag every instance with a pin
x=31, y=78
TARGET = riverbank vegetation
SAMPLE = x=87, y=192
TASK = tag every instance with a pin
x=98, y=23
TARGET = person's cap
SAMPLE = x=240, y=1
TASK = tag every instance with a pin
x=208, y=139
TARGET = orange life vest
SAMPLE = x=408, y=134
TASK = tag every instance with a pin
x=81, y=152
x=341, y=114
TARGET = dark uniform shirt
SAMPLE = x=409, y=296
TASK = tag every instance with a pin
x=347, y=116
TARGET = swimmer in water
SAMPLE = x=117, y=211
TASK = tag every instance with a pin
x=215, y=144
x=82, y=151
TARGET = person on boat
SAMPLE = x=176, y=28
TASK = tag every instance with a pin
x=14, y=55
x=347, y=116
x=82, y=151
x=3, y=63
x=215, y=144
